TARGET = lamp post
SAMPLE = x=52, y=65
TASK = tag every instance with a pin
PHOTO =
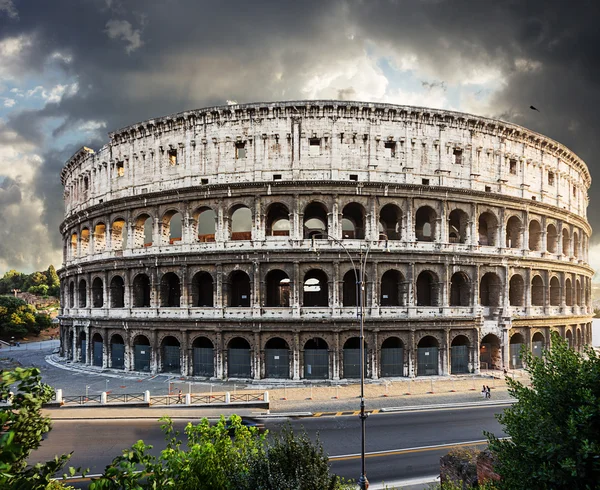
x=359, y=274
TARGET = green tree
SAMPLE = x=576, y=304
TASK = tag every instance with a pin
x=22, y=428
x=52, y=277
x=17, y=318
x=12, y=280
x=554, y=425
x=40, y=290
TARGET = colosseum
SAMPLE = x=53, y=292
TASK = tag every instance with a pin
x=223, y=243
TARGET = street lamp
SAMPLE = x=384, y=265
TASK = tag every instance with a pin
x=359, y=275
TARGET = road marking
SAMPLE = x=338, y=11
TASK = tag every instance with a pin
x=393, y=452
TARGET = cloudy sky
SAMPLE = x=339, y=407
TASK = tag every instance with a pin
x=72, y=70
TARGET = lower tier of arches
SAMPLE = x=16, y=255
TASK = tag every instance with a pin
x=310, y=355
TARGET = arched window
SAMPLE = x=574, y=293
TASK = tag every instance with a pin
x=73, y=245
x=315, y=221
x=99, y=237
x=349, y=289
x=459, y=355
x=425, y=224
x=315, y=289
x=490, y=353
x=537, y=344
x=239, y=363
x=516, y=290
x=239, y=289
x=391, y=289
x=85, y=242
x=390, y=222
x=141, y=353
x=551, y=238
x=172, y=227
x=141, y=291
x=117, y=292
x=575, y=245
x=171, y=355
x=537, y=291
x=316, y=359
x=352, y=358
x=71, y=294
x=566, y=243
x=97, y=350
x=278, y=289
x=117, y=352
x=241, y=223
x=278, y=220
x=277, y=358
x=490, y=290
x=392, y=357
x=428, y=357
x=457, y=226
x=203, y=352
x=535, y=235
x=488, y=229
x=568, y=292
x=513, y=232
x=82, y=293
x=460, y=290
x=555, y=293
x=202, y=290
x=97, y=293
x=517, y=342
x=353, y=221
x=205, y=219
x=427, y=290
x=143, y=231
x=170, y=290
x=118, y=235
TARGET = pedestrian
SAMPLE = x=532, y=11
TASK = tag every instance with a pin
x=484, y=392
x=179, y=396
x=488, y=392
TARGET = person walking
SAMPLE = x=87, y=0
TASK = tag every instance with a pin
x=484, y=391
x=179, y=395
x=488, y=392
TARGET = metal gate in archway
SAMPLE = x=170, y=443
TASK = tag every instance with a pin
x=316, y=363
x=171, y=359
x=97, y=348
x=537, y=348
x=392, y=361
x=83, y=353
x=203, y=361
x=142, y=357
x=277, y=363
x=117, y=356
x=239, y=363
x=352, y=363
x=515, y=356
x=460, y=359
x=427, y=361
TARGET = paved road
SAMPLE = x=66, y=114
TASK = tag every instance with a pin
x=407, y=435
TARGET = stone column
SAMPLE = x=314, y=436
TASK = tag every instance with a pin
x=219, y=357
x=375, y=355
x=258, y=365
x=335, y=357
x=445, y=353
x=296, y=363
x=106, y=360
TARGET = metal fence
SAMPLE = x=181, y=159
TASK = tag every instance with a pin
x=207, y=399
x=81, y=399
x=124, y=397
x=247, y=397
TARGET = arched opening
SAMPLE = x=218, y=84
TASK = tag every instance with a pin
x=353, y=221
x=537, y=344
x=490, y=290
x=575, y=245
x=315, y=289
x=142, y=229
x=516, y=290
x=316, y=359
x=99, y=237
x=203, y=353
x=315, y=221
x=569, y=339
x=391, y=288
x=460, y=289
x=72, y=294
x=352, y=358
x=578, y=339
x=85, y=242
x=425, y=224
x=141, y=291
x=171, y=355
x=490, y=354
x=277, y=358
x=241, y=223
x=239, y=289
x=82, y=293
x=459, y=355
x=202, y=290
x=535, y=235
x=141, y=353
x=566, y=242
x=97, y=349
x=117, y=292
x=82, y=347
x=172, y=227
x=392, y=357
x=349, y=289
x=73, y=245
x=118, y=235
x=427, y=289
x=555, y=293
x=97, y=293
x=390, y=222
x=517, y=342
x=578, y=292
x=551, y=239
x=278, y=289
x=117, y=352
x=278, y=220
x=458, y=222
x=205, y=219
x=170, y=290
x=488, y=229
x=427, y=356
x=537, y=291
x=568, y=292
x=239, y=358
x=513, y=232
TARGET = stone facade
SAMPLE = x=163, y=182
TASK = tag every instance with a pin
x=223, y=242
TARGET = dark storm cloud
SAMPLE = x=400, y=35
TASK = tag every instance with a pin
x=9, y=192
x=135, y=59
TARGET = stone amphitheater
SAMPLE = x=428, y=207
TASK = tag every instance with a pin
x=226, y=242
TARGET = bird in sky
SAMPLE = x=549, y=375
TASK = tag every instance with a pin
x=534, y=108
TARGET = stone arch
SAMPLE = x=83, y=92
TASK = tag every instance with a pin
x=578, y=292
x=392, y=357
x=460, y=289
x=202, y=289
x=277, y=220
x=427, y=289
x=517, y=343
x=392, y=293
x=390, y=222
x=172, y=226
x=170, y=290
x=353, y=221
x=535, y=235
x=241, y=222
x=97, y=293
x=537, y=344
x=568, y=292
x=425, y=224
x=569, y=338
x=490, y=290
x=538, y=291
x=349, y=289
x=278, y=286
x=97, y=350
x=117, y=292
x=516, y=290
x=85, y=241
x=142, y=353
x=490, y=352
x=82, y=293
x=239, y=358
x=428, y=356
x=351, y=363
x=73, y=245
x=170, y=349
x=143, y=227
x=575, y=244
x=239, y=291
x=316, y=359
x=458, y=223
x=315, y=288
x=555, y=292
x=315, y=220
x=277, y=358
x=118, y=235
x=514, y=227
x=566, y=242
x=487, y=229
x=203, y=357
x=459, y=354
x=551, y=239
x=205, y=222
x=72, y=294
x=99, y=237
x=141, y=291
x=117, y=351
